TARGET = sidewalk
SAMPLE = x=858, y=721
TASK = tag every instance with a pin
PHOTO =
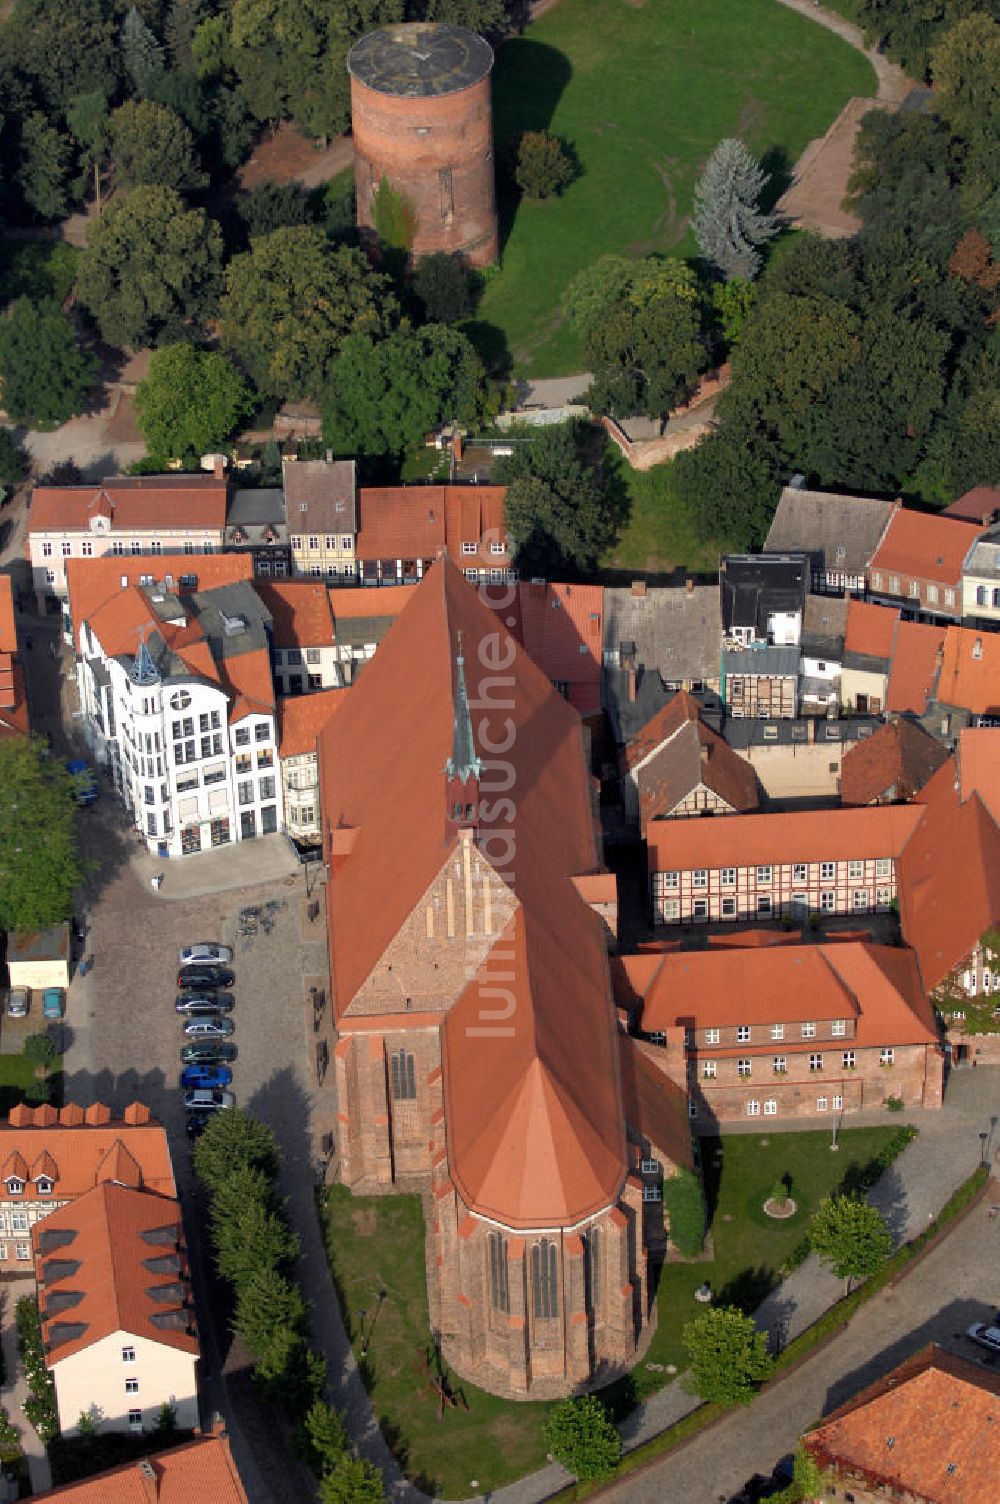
x=13, y=1394
x=243, y=864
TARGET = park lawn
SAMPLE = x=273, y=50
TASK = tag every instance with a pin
x=660, y=535
x=377, y=1242
x=643, y=90
x=749, y=1247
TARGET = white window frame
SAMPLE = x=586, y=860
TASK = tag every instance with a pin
x=711, y=1036
x=809, y=1031
x=727, y=877
x=470, y=549
x=770, y=1107
x=779, y=1064
x=887, y=1055
x=709, y=1070
x=800, y=872
x=744, y=1068
x=699, y=877
x=670, y=879
x=743, y=1034
x=815, y=1061
x=827, y=902
x=827, y=872
x=728, y=906
x=128, y=1354
x=821, y=1104
x=777, y=1031
x=849, y=1059
x=753, y=1109
x=764, y=874
x=856, y=871
x=839, y=1028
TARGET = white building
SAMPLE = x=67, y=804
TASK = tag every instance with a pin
x=176, y=690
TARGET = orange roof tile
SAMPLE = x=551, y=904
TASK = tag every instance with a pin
x=172, y=502
x=535, y=1128
x=301, y=718
x=980, y=504
x=349, y=603
x=948, y=876
x=562, y=629
x=83, y=1154
x=92, y=582
x=978, y=762
x=13, y=695
x=970, y=671
x=675, y=752
x=247, y=677
x=116, y=1232
x=419, y=522
x=655, y=1106
x=915, y=661
x=900, y=756
x=870, y=629
x=474, y=514
x=300, y=612
x=8, y=628
x=926, y=546
x=877, y=985
x=199, y=1472
x=826, y=835
x=926, y=1431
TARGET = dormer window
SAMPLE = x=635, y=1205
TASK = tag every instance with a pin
x=14, y=1186
x=43, y=1185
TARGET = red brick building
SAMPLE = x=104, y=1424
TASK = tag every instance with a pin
x=788, y=1030
x=776, y=865
x=677, y=766
x=474, y=1044
x=918, y=563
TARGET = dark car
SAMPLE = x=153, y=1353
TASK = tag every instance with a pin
x=207, y=1052
x=198, y=978
x=192, y=1003
x=197, y=1122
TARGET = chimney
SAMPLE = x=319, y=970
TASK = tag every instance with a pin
x=150, y=1477
x=689, y=585
x=633, y=680
x=219, y=466
x=639, y=587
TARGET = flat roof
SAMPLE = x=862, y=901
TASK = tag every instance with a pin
x=420, y=60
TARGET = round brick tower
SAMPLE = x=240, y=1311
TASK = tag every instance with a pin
x=422, y=119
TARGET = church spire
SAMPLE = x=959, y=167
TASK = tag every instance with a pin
x=143, y=670
x=463, y=764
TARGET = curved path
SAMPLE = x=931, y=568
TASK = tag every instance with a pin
x=893, y=83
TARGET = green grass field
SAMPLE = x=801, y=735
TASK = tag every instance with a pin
x=660, y=535
x=377, y=1243
x=17, y=1074
x=643, y=89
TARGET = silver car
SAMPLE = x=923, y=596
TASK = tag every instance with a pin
x=205, y=952
x=18, y=1002
x=209, y=1028
x=203, y=1099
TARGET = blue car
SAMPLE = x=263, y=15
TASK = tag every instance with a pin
x=84, y=783
x=205, y=1077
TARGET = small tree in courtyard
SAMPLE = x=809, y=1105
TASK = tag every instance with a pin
x=579, y=1434
x=353, y=1481
x=729, y=223
x=544, y=165
x=851, y=1236
x=40, y=1050
x=729, y=1356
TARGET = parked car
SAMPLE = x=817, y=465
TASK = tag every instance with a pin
x=207, y=1052
x=85, y=787
x=209, y=1028
x=197, y=978
x=205, y=953
x=986, y=1336
x=196, y=1124
x=52, y=1002
x=18, y=1002
x=202, y=1101
x=205, y=1002
x=205, y=1077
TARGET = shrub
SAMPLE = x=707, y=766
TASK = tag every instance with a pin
x=580, y=1435
x=441, y=282
x=686, y=1210
x=40, y=1050
x=40, y=1406
x=894, y=1104
x=729, y=1356
x=544, y=165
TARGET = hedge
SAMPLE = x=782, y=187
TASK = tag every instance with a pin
x=686, y=1210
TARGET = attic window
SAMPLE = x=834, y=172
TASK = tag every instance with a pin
x=890, y=1442
x=977, y=648
x=43, y=1185
x=14, y=1186
x=952, y=1467
x=303, y=506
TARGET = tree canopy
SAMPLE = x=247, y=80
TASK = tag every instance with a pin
x=151, y=270
x=561, y=509
x=728, y=1356
x=729, y=224
x=45, y=374
x=384, y=395
x=291, y=301
x=580, y=1434
x=39, y=860
x=851, y=1236
x=151, y=144
x=190, y=401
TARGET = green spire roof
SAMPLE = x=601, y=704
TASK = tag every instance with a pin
x=463, y=762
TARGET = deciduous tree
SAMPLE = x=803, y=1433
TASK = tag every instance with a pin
x=65, y=50
x=560, y=510
x=579, y=1433
x=965, y=65
x=39, y=861
x=190, y=401
x=729, y=224
x=728, y=1355
x=441, y=283
x=150, y=144
x=292, y=299
x=43, y=172
x=87, y=118
x=851, y=1236
x=45, y=374
x=151, y=271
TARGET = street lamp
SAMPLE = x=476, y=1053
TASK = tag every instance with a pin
x=984, y=1139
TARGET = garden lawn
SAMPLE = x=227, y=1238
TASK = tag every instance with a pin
x=660, y=535
x=377, y=1242
x=749, y=1247
x=643, y=90
x=17, y=1074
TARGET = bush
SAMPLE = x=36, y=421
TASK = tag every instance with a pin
x=894, y=1104
x=686, y=1211
x=13, y=458
x=729, y=1356
x=40, y=1050
x=40, y=1406
x=580, y=1435
x=544, y=165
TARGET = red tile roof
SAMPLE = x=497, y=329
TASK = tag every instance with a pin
x=13, y=696
x=876, y=985
x=561, y=627
x=534, y=1120
x=826, y=835
x=301, y=718
x=900, y=755
x=978, y=762
x=300, y=612
x=174, y=503
x=419, y=522
x=83, y=1154
x=970, y=671
x=348, y=604
x=978, y=505
x=247, y=678
x=116, y=1231
x=870, y=629
x=199, y=1472
x=915, y=662
x=675, y=752
x=925, y=546
x=948, y=876
x=655, y=1106
x=93, y=583
x=926, y=1431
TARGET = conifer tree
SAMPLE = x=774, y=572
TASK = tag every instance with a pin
x=141, y=52
x=729, y=223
